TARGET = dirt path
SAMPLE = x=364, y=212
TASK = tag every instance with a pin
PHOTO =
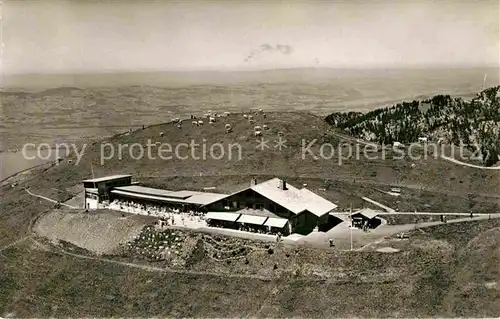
x=419, y=213
x=147, y=267
x=394, y=229
x=29, y=231
x=341, y=234
x=60, y=251
x=378, y=204
x=15, y=243
x=380, y=234
x=50, y=199
x=373, y=243
x=450, y=159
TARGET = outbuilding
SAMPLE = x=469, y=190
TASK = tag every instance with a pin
x=366, y=218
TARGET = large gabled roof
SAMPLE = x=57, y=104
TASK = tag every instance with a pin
x=315, y=203
x=290, y=198
x=294, y=199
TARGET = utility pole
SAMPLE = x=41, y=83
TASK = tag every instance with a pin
x=92, y=170
x=350, y=215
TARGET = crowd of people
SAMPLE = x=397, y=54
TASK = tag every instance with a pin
x=172, y=216
x=266, y=230
x=169, y=215
x=360, y=224
x=256, y=229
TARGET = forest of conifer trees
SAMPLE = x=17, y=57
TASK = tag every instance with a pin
x=475, y=123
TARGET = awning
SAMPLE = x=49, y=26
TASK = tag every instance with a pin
x=276, y=222
x=228, y=217
x=158, y=198
x=251, y=219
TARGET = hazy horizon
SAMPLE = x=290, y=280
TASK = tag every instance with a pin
x=255, y=70
x=446, y=77
x=66, y=37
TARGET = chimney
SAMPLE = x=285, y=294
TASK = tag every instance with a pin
x=282, y=184
x=253, y=182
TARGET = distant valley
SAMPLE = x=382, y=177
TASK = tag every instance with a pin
x=68, y=108
x=63, y=108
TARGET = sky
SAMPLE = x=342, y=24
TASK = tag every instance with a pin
x=98, y=36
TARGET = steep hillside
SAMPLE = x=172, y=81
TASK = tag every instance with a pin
x=97, y=232
x=456, y=278
x=477, y=276
x=340, y=173
x=40, y=280
x=476, y=123
x=428, y=184
x=470, y=282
